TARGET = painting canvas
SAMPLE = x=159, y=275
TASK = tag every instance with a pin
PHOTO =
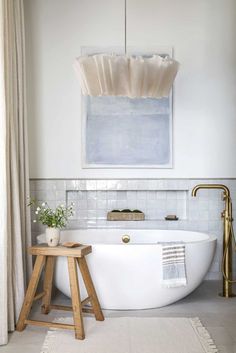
x=121, y=132
x=125, y=132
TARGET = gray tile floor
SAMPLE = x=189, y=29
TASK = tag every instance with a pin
x=217, y=314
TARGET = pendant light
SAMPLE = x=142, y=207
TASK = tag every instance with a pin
x=126, y=75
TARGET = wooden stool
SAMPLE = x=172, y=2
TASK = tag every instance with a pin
x=46, y=256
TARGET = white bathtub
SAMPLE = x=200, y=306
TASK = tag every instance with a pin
x=128, y=276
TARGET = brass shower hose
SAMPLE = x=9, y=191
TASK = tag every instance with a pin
x=232, y=236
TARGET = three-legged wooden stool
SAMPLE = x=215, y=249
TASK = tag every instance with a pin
x=46, y=256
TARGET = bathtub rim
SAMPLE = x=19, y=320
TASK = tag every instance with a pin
x=210, y=237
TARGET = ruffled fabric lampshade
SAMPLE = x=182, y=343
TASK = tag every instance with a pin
x=129, y=76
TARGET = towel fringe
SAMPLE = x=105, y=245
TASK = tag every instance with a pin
x=204, y=336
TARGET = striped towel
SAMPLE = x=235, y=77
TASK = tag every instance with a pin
x=173, y=265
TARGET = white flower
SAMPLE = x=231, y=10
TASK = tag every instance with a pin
x=62, y=205
x=53, y=224
x=34, y=221
x=43, y=204
x=36, y=212
x=38, y=208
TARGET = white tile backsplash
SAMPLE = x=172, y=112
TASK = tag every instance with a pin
x=156, y=197
x=150, y=202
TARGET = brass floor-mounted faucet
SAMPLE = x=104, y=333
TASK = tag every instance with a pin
x=228, y=236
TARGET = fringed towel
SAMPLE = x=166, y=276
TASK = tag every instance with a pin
x=173, y=265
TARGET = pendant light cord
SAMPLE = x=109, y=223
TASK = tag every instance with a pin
x=125, y=27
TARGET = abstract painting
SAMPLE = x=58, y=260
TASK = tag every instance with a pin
x=121, y=132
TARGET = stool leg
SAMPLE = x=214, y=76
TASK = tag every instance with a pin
x=47, y=284
x=76, y=301
x=30, y=293
x=90, y=288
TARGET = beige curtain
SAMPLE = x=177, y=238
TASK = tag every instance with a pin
x=14, y=179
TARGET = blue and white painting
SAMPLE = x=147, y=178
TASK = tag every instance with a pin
x=125, y=132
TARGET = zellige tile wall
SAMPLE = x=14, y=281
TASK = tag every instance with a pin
x=155, y=197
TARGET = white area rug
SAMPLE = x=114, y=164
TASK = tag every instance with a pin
x=132, y=335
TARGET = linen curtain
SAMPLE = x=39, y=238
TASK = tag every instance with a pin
x=14, y=179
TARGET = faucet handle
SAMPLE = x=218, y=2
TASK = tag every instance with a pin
x=223, y=196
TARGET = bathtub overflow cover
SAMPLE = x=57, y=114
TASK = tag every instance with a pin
x=126, y=238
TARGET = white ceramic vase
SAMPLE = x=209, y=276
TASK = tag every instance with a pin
x=52, y=236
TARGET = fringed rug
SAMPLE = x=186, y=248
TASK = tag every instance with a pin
x=132, y=335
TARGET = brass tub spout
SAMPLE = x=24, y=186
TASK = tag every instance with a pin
x=227, y=236
x=211, y=186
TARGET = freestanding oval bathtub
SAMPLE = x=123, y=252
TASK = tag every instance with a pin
x=129, y=276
